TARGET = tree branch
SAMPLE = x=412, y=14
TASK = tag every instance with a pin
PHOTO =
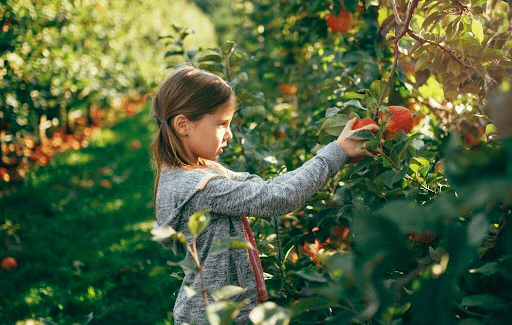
x=408, y=17
x=193, y=251
x=395, y=12
x=423, y=40
x=400, y=283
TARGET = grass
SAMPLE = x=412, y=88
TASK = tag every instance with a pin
x=83, y=246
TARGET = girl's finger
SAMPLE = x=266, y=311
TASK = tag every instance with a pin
x=351, y=123
x=369, y=153
x=370, y=127
x=379, y=150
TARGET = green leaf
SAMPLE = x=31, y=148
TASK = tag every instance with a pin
x=477, y=229
x=503, y=266
x=291, y=243
x=488, y=269
x=365, y=135
x=222, y=312
x=350, y=5
x=344, y=316
x=184, y=34
x=198, y=221
x=334, y=131
x=390, y=177
x=335, y=124
x=338, y=120
x=45, y=321
x=187, y=263
x=450, y=29
x=171, y=53
x=477, y=29
x=269, y=313
x=408, y=215
x=166, y=233
x=371, y=145
x=303, y=305
x=190, y=291
x=344, y=262
x=363, y=164
x=382, y=128
x=214, y=67
x=484, y=301
x=210, y=57
x=422, y=62
x=227, y=292
x=434, y=17
x=331, y=111
x=471, y=321
x=378, y=86
x=86, y=319
x=416, y=163
x=353, y=95
x=228, y=47
x=178, y=43
x=355, y=103
x=252, y=111
x=228, y=243
x=192, y=53
x=310, y=275
x=401, y=135
x=162, y=233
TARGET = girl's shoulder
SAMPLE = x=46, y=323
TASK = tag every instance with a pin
x=200, y=176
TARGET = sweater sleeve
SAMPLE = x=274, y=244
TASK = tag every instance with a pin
x=337, y=156
x=278, y=196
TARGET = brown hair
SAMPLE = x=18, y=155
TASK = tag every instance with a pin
x=194, y=93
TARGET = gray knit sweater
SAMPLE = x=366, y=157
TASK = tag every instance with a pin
x=181, y=193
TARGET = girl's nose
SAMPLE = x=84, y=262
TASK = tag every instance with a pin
x=228, y=135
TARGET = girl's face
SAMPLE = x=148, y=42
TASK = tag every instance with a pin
x=209, y=135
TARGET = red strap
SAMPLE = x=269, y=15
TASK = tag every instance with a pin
x=254, y=257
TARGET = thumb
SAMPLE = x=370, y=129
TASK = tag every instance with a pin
x=351, y=123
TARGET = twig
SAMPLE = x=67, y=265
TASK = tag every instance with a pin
x=397, y=168
x=390, y=78
x=193, y=253
x=280, y=255
x=408, y=17
x=400, y=283
x=423, y=40
x=434, y=110
x=421, y=185
x=354, y=309
x=502, y=223
x=395, y=12
x=336, y=181
x=228, y=66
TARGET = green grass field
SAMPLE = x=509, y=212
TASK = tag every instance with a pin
x=86, y=248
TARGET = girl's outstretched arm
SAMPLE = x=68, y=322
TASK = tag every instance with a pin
x=287, y=192
x=271, y=198
x=344, y=140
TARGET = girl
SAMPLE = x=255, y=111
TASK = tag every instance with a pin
x=194, y=109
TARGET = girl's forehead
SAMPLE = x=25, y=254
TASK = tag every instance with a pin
x=227, y=110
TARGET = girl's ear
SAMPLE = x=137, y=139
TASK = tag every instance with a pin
x=181, y=124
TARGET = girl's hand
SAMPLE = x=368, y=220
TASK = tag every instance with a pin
x=350, y=145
